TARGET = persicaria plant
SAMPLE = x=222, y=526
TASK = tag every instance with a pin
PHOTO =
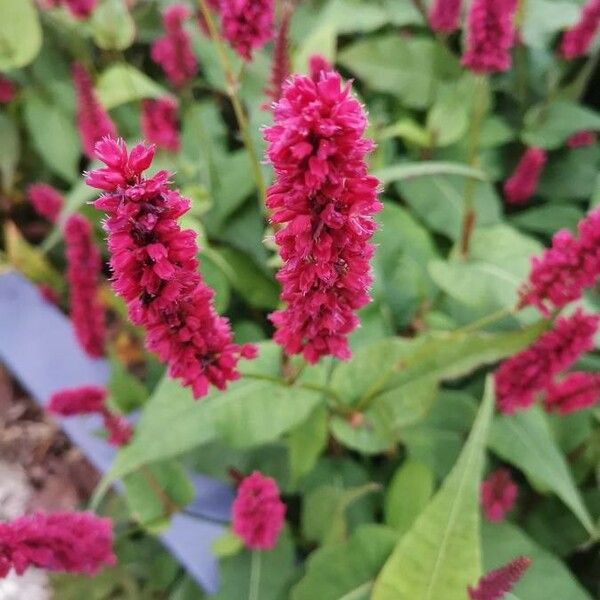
x=330, y=272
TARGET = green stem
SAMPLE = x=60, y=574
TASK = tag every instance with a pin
x=231, y=87
x=487, y=320
x=255, y=564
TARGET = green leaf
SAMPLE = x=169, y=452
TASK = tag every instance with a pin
x=439, y=201
x=546, y=578
x=306, y=443
x=405, y=171
x=321, y=40
x=550, y=126
x=440, y=555
x=126, y=390
x=548, y=218
x=10, y=150
x=542, y=19
x=54, y=136
x=525, y=440
x=227, y=544
x=113, y=28
x=407, y=495
x=156, y=492
x=258, y=575
x=324, y=512
x=346, y=571
x=20, y=33
x=121, y=83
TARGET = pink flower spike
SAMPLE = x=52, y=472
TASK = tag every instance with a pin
x=7, y=90
x=523, y=182
x=490, y=35
x=46, y=201
x=499, y=582
x=577, y=391
x=247, y=24
x=118, y=427
x=258, y=514
x=159, y=123
x=280, y=66
x=93, y=121
x=498, y=495
x=581, y=139
x=83, y=274
x=326, y=199
x=80, y=9
x=520, y=377
x=444, y=15
x=67, y=542
x=577, y=40
x=155, y=270
x=84, y=400
x=173, y=51
x=317, y=64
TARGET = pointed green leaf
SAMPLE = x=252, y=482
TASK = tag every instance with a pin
x=121, y=83
x=20, y=33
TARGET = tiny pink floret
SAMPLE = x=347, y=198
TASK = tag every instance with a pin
x=498, y=495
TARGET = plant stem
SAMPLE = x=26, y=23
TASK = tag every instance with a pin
x=254, y=587
x=231, y=87
x=470, y=216
x=487, y=320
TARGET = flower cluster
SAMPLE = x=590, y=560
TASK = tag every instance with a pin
x=577, y=391
x=70, y=542
x=173, y=51
x=444, y=15
x=246, y=24
x=159, y=123
x=498, y=495
x=280, y=66
x=80, y=9
x=577, y=40
x=490, y=35
x=46, y=201
x=83, y=274
x=565, y=269
x=91, y=400
x=522, y=184
x=581, y=139
x=258, y=512
x=325, y=197
x=520, y=377
x=496, y=584
x=93, y=121
x=155, y=270
x=7, y=90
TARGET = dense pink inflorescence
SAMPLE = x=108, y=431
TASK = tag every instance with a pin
x=173, y=51
x=80, y=9
x=93, y=121
x=280, y=66
x=521, y=185
x=246, y=24
x=325, y=197
x=490, y=35
x=496, y=584
x=70, y=542
x=7, y=90
x=577, y=391
x=159, y=123
x=565, y=269
x=46, y=201
x=48, y=294
x=581, y=139
x=577, y=40
x=520, y=377
x=444, y=15
x=258, y=514
x=83, y=274
x=155, y=270
x=498, y=495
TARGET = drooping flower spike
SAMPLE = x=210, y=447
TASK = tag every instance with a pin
x=523, y=182
x=46, y=201
x=155, y=270
x=7, y=90
x=444, y=15
x=258, y=514
x=577, y=391
x=490, y=35
x=84, y=266
x=519, y=378
x=564, y=270
x=581, y=139
x=498, y=495
x=496, y=584
x=93, y=121
x=577, y=40
x=326, y=199
x=159, y=123
x=173, y=51
x=67, y=542
x=280, y=65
